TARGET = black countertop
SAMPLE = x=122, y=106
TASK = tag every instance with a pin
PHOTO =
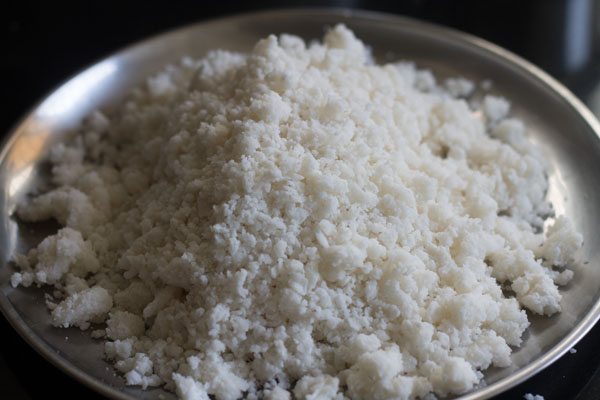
x=43, y=44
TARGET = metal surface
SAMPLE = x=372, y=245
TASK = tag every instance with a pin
x=564, y=129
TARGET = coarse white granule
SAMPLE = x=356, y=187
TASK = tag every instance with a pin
x=459, y=87
x=123, y=324
x=317, y=387
x=79, y=309
x=189, y=389
x=277, y=393
x=300, y=220
x=529, y=396
x=495, y=108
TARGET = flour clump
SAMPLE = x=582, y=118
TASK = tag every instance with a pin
x=301, y=221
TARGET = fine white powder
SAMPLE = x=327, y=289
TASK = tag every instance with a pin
x=299, y=222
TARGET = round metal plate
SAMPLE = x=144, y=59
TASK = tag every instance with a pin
x=564, y=129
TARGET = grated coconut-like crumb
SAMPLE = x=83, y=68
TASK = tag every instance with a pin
x=301, y=220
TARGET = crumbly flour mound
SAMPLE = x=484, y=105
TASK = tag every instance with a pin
x=299, y=222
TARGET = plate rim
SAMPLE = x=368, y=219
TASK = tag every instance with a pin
x=499, y=53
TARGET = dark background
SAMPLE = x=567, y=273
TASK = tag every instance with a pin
x=42, y=44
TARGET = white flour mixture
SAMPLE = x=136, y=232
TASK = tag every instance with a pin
x=301, y=220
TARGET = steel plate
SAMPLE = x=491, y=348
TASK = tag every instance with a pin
x=559, y=123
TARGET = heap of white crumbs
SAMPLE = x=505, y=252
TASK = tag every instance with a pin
x=299, y=220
